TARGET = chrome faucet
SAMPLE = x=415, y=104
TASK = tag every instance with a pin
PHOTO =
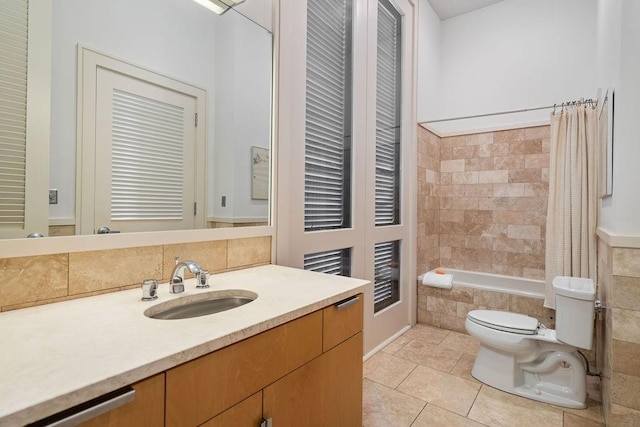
x=176, y=282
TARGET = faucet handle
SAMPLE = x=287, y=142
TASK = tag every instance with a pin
x=202, y=277
x=149, y=290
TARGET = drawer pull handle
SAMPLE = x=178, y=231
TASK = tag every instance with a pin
x=91, y=409
x=348, y=303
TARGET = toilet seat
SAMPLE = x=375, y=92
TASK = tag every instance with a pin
x=505, y=321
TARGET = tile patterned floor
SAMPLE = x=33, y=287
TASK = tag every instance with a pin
x=423, y=378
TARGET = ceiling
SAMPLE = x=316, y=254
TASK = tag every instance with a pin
x=449, y=8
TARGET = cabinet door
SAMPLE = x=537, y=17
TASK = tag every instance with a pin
x=147, y=410
x=325, y=392
x=247, y=413
x=203, y=388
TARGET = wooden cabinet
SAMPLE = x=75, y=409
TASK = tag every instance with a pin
x=203, y=388
x=325, y=392
x=146, y=410
x=307, y=372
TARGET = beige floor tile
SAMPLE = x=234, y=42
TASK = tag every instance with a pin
x=496, y=408
x=463, y=368
x=434, y=416
x=441, y=389
x=442, y=359
x=592, y=412
x=461, y=342
x=571, y=420
x=396, y=345
x=426, y=334
x=384, y=407
x=387, y=370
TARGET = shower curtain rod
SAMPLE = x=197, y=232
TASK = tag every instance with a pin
x=524, y=110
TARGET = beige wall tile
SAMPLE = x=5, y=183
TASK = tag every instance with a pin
x=478, y=217
x=513, y=135
x=536, y=189
x=452, y=141
x=479, y=164
x=458, y=293
x=440, y=305
x=464, y=177
x=625, y=292
x=478, y=190
x=493, y=177
x=531, y=306
x=625, y=357
x=464, y=152
x=491, y=300
x=478, y=242
x=524, y=232
x=538, y=132
x=626, y=325
x=536, y=160
x=526, y=147
x=508, y=217
x=108, y=269
x=249, y=251
x=211, y=256
x=479, y=139
x=452, y=165
x=453, y=323
x=625, y=390
x=626, y=262
x=525, y=175
x=509, y=162
x=30, y=279
x=509, y=190
x=507, y=244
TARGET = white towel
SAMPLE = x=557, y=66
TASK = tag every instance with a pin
x=438, y=280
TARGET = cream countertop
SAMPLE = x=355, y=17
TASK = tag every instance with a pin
x=59, y=355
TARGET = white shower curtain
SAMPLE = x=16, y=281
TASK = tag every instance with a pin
x=571, y=214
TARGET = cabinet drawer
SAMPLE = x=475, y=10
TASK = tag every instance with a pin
x=341, y=321
x=147, y=409
x=203, y=388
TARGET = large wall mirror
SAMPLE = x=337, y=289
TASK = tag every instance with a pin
x=155, y=114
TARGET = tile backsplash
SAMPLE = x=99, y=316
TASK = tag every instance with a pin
x=43, y=279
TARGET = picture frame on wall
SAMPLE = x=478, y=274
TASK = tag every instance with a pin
x=259, y=173
x=605, y=142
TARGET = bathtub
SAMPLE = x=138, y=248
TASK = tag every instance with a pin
x=512, y=285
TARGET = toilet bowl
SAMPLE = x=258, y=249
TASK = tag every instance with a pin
x=519, y=355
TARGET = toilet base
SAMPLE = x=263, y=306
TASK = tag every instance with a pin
x=555, y=377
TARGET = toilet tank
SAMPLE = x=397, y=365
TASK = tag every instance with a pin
x=575, y=299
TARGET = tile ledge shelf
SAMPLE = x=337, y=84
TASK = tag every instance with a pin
x=619, y=240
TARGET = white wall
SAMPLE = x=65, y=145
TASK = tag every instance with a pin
x=429, y=29
x=243, y=103
x=619, y=66
x=515, y=54
x=176, y=39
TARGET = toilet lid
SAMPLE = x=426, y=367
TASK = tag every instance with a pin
x=505, y=321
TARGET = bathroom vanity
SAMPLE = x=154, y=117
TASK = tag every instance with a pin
x=293, y=355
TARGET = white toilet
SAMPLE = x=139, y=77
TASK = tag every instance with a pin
x=520, y=356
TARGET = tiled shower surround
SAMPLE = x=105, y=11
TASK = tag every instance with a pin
x=482, y=204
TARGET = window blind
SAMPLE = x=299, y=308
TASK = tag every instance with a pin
x=336, y=262
x=386, y=275
x=147, y=159
x=13, y=111
x=388, y=83
x=328, y=115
